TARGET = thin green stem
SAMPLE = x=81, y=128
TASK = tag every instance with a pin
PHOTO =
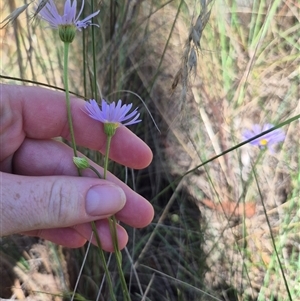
x=113, y=230
x=272, y=238
x=110, y=285
x=66, y=84
x=95, y=94
x=95, y=171
x=99, y=245
x=108, y=142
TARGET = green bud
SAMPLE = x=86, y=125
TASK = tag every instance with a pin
x=110, y=128
x=67, y=32
x=175, y=218
x=81, y=163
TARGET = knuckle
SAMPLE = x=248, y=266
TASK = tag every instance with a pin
x=62, y=200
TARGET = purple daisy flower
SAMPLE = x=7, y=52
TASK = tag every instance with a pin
x=49, y=13
x=112, y=113
x=267, y=140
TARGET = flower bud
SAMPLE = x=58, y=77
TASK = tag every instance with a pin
x=81, y=163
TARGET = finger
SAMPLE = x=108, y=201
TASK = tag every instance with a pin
x=42, y=114
x=77, y=236
x=104, y=234
x=49, y=157
x=67, y=237
x=45, y=202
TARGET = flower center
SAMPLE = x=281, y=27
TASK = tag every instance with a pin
x=263, y=142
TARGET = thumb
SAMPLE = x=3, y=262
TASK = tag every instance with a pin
x=31, y=203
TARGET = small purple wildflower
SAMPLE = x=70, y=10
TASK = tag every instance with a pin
x=267, y=140
x=49, y=13
x=112, y=114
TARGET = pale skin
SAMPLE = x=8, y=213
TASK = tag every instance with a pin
x=41, y=193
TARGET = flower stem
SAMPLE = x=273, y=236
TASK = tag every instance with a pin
x=113, y=230
x=95, y=171
x=66, y=84
x=110, y=285
x=108, y=142
x=95, y=88
x=69, y=115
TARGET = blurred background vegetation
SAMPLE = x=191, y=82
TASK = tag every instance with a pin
x=206, y=70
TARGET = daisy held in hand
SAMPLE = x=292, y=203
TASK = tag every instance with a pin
x=112, y=116
x=268, y=140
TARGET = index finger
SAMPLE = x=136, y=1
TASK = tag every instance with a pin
x=44, y=116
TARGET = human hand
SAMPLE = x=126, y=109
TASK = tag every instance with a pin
x=41, y=193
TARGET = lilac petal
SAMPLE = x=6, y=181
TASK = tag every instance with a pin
x=87, y=21
x=112, y=113
x=80, y=12
x=50, y=14
x=105, y=109
x=277, y=136
x=134, y=120
x=115, y=110
x=91, y=16
x=93, y=110
x=124, y=111
x=274, y=136
x=131, y=115
x=256, y=129
x=248, y=135
x=267, y=126
x=69, y=12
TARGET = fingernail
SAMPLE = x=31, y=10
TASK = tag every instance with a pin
x=104, y=200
